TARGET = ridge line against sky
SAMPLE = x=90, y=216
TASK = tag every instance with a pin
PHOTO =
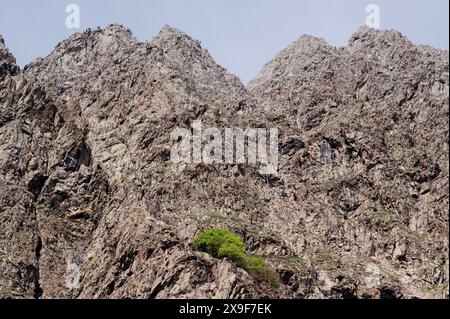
x=241, y=35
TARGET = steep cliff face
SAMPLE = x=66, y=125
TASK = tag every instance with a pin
x=93, y=207
x=365, y=147
x=114, y=216
x=20, y=113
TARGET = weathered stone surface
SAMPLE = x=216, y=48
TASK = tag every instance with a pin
x=92, y=206
x=371, y=183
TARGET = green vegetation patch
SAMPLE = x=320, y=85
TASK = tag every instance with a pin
x=212, y=240
x=222, y=243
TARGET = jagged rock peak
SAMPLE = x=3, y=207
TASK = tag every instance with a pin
x=370, y=35
x=99, y=47
x=113, y=34
x=306, y=45
x=169, y=37
x=112, y=29
x=181, y=50
x=167, y=31
x=369, y=38
x=308, y=40
x=5, y=55
x=117, y=28
x=292, y=60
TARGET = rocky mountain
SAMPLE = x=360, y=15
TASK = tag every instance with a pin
x=366, y=149
x=92, y=206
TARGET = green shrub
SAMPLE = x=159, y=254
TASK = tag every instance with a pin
x=256, y=266
x=212, y=240
x=233, y=253
x=222, y=243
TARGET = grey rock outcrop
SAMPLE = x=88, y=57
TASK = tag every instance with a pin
x=92, y=206
x=366, y=140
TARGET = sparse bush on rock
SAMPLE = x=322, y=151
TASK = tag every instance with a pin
x=256, y=266
x=233, y=253
x=212, y=240
x=222, y=243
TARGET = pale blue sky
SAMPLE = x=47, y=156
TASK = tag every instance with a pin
x=241, y=35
